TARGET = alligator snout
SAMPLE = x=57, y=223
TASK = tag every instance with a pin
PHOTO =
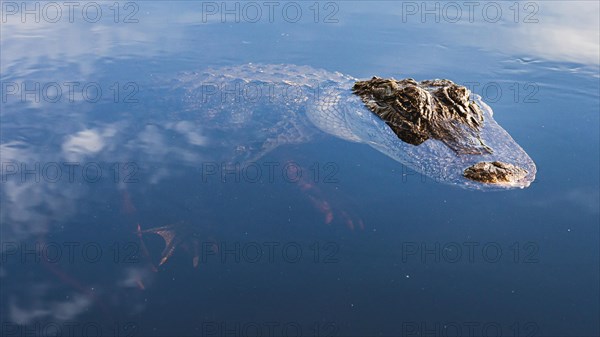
x=495, y=172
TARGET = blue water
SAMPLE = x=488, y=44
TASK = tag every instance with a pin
x=360, y=245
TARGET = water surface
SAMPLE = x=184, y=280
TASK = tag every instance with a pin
x=360, y=245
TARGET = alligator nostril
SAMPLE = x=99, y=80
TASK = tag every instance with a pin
x=495, y=172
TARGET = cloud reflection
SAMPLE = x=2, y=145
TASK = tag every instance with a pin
x=39, y=308
x=566, y=31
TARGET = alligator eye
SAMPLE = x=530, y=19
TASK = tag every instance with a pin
x=495, y=173
x=437, y=109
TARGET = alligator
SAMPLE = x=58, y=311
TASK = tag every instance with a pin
x=435, y=127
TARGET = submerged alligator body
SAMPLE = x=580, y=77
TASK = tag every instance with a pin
x=435, y=127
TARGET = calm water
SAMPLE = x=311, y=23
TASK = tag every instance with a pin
x=94, y=143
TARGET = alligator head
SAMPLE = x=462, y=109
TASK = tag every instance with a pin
x=446, y=133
